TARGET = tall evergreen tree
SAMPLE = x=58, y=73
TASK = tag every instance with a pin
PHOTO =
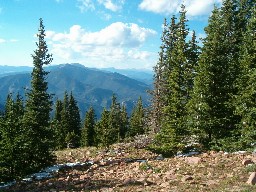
x=245, y=99
x=88, y=130
x=159, y=88
x=103, y=133
x=177, y=75
x=74, y=116
x=64, y=115
x=115, y=120
x=67, y=122
x=58, y=127
x=37, y=110
x=137, y=120
x=11, y=142
x=214, y=116
x=124, y=122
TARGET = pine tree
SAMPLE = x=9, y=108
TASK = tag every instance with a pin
x=214, y=118
x=68, y=122
x=11, y=151
x=114, y=120
x=245, y=100
x=137, y=120
x=177, y=76
x=57, y=126
x=192, y=54
x=37, y=110
x=103, y=133
x=124, y=122
x=74, y=122
x=65, y=117
x=156, y=111
x=88, y=130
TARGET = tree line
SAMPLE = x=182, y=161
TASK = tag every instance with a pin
x=114, y=124
x=206, y=96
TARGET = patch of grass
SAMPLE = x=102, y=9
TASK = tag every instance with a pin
x=250, y=168
x=146, y=166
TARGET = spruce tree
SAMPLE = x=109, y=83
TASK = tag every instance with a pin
x=157, y=102
x=124, y=122
x=245, y=99
x=68, y=122
x=115, y=120
x=103, y=133
x=213, y=111
x=57, y=126
x=74, y=122
x=88, y=130
x=65, y=117
x=137, y=120
x=37, y=110
x=177, y=76
x=12, y=140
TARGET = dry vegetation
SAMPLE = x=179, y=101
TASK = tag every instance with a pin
x=125, y=168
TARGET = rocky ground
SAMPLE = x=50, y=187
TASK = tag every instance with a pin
x=126, y=168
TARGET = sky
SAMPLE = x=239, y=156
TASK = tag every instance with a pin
x=95, y=33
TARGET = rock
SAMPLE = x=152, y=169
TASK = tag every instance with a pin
x=187, y=178
x=193, y=160
x=211, y=182
x=160, y=157
x=205, y=155
x=68, y=178
x=252, y=179
x=165, y=184
x=128, y=181
x=169, y=175
x=247, y=162
x=83, y=177
x=90, y=174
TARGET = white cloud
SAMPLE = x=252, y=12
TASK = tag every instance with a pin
x=9, y=40
x=14, y=40
x=90, y=5
x=162, y=6
x=167, y=7
x=115, y=44
x=85, y=5
x=108, y=4
x=2, y=40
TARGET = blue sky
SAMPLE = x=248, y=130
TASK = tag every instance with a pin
x=95, y=33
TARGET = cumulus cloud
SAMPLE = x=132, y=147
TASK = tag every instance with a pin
x=90, y=5
x=14, y=40
x=85, y=5
x=113, y=6
x=2, y=40
x=167, y=7
x=116, y=43
x=8, y=40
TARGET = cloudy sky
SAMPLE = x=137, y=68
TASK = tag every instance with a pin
x=95, y=33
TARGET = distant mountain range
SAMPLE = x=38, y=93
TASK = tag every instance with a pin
x=91, y=87
x=145, y=76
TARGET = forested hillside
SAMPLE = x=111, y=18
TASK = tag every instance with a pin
x=90, y=87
